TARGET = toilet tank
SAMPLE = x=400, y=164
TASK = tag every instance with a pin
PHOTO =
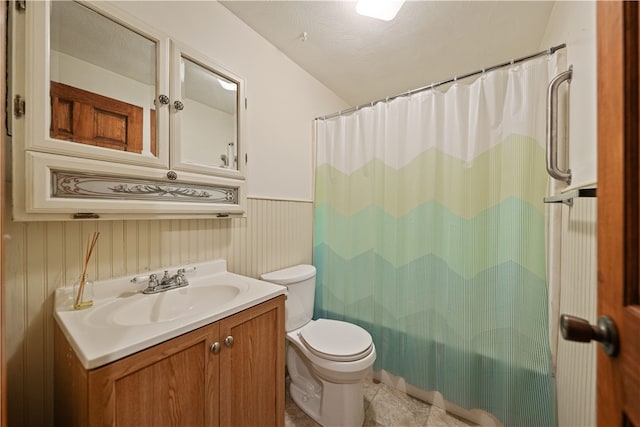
x=300, y=281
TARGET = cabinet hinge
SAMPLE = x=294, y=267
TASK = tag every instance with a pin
x=18, y=106
x=245, y=103
x=21, y=5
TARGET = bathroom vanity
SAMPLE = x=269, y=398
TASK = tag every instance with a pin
x=227, y=369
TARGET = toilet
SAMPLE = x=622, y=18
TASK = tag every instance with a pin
x=327, y=359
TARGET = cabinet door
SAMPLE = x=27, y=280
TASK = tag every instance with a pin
x=93, y=80
x=252, y=366
x=207, y=116
x=172, y=384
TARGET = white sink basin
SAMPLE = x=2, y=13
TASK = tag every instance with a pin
x=123, y=320
x=165, y=306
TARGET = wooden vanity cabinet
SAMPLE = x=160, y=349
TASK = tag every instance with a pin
x=183, y=381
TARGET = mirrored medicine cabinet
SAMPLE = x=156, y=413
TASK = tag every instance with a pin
x=119, y=119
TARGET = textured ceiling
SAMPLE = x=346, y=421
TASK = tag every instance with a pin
x=362, y=59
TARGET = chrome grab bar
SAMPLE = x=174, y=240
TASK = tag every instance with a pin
x=552, y=127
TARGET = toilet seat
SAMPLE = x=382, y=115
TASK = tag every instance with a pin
x=336, y=340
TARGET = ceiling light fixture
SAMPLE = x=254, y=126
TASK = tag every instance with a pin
x=385, y=10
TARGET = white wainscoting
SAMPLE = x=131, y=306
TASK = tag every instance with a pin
x=576, y=362
x=43, y=256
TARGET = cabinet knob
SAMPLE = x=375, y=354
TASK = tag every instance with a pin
x=164, y=99
x=179, y=106
x=215, y=347
x=172, y=175
x=228, y=341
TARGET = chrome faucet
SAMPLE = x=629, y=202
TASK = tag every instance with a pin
x=166, y=283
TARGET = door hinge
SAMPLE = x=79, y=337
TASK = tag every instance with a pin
x=21, y=5
x=18, y=106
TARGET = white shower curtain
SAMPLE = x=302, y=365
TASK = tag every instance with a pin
x=429, y=232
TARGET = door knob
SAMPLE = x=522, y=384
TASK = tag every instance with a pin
x=605, y=332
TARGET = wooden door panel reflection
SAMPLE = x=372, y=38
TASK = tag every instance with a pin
x=88, y=118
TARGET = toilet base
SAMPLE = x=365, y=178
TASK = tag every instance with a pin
x=338, y=408
x=329, y=404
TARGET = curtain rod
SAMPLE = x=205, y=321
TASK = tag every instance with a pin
x=549, y=51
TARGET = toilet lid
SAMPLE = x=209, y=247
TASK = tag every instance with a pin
x=336, y=340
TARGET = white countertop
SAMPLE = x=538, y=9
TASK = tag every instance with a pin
x=99, y=337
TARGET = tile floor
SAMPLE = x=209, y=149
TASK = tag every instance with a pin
x=384, y=406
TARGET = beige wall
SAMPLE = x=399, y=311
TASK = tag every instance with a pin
x=282, y=101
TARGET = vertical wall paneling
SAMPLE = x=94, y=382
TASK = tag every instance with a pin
x=155, y=247
x=130, y=247
x=41, y=257
x=16, y=315
x=55, y=277
x=118, y=249
x=212, y=233
x=36, y=334
x=104, y=251
x=576, y=363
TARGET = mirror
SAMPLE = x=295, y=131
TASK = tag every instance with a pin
x=103, y=81
x=209, y=117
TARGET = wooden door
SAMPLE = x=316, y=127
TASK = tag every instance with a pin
x=252, y=366
x=618, y=383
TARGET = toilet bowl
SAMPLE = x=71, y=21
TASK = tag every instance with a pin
x=327, y=360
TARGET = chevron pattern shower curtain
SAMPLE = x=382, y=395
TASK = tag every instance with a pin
x=430, y=233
